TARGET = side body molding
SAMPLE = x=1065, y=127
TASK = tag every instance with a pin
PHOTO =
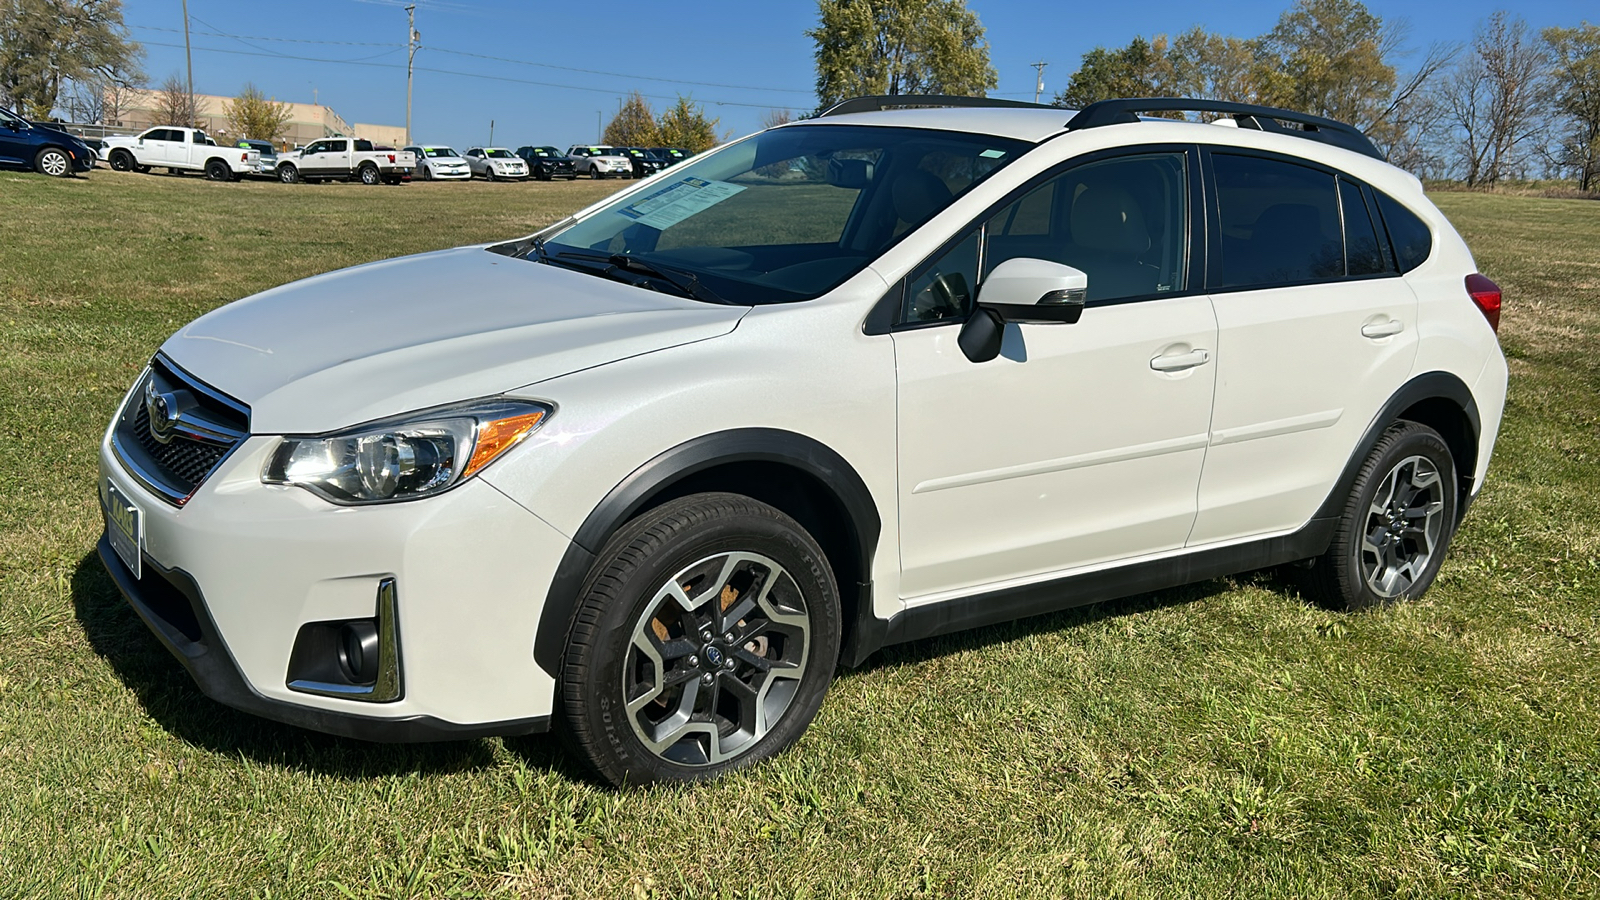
x=1441, y=396
x=656, y=481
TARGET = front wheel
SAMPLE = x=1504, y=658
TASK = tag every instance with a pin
x=288, y=174
x=53, y=162
x=1396, y=526
x=704, y=641
x=122, y=161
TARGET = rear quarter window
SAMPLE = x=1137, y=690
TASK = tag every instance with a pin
x=1410, y=236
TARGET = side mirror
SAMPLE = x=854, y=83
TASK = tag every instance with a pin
x=1022, y=290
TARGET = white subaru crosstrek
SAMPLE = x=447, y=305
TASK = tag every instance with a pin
x=651, y=474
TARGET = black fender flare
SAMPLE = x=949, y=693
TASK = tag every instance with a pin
x=1427, y=386
x=631, y=496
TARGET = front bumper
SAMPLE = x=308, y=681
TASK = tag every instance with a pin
x=231, y=578
x=458, y=173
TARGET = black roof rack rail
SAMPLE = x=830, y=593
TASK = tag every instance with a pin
x=1261, y=118
x=921, y=101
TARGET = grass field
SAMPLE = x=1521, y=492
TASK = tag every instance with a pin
x=1223, y=740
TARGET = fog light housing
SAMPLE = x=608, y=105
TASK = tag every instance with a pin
x=352, y=659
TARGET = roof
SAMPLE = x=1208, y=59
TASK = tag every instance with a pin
x=1031, y=125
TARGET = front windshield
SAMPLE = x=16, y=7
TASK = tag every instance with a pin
x=545, y=151
x=440, y=153
x=790, y=213
x=502, y=154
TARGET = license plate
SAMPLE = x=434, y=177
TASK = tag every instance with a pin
x=125, y=528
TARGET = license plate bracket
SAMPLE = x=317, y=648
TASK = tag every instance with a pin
x=124, y=527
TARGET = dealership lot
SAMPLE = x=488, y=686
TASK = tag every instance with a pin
x=1441, y=747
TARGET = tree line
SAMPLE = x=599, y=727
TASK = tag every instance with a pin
x=684, y=124
x=1510, y=103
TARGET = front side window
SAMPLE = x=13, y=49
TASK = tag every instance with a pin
x=1123, y=222
x=9, y=118
x=1280, y=222
x=790, y=213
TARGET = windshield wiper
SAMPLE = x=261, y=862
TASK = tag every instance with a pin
x=687, y=283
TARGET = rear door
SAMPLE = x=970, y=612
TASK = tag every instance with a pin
x=157, y=147
x=1081, y=444
x=1316, y=330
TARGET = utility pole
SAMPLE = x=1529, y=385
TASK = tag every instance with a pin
x=1038, y=86
x=599, y=130
x=188, y=56
x=413, y=40
x=491, y=133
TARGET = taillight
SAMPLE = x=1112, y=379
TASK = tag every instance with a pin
x=244, y=157
x=391, y=157
x=1486, y=294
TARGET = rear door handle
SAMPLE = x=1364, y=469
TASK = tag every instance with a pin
x=1383, y=329
x=1180, y=361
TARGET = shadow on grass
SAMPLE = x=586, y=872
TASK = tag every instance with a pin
x=173, y=700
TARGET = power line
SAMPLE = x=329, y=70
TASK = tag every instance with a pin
x=244, y=39
x=352, y=62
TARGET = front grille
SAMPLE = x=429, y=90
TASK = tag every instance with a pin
x=202, y=426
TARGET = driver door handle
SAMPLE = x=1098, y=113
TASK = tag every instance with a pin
x=1179, y=361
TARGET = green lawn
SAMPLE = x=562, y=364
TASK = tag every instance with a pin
x=1223, y=740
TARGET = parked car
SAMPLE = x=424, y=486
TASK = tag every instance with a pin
x=440, y=164
x=346, y=159
x=269, y=157
x=497, y=164
x=546, y=163
x=672, y=155
x=180, y=150
x=25, y=145
x=597, y=161
x=644, y=162
x=665, y=465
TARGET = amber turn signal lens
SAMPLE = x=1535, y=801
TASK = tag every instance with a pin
x=498, y=436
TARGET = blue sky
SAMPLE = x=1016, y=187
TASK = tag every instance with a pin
x=560, y=64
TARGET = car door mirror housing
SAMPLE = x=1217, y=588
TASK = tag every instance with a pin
x=1021, y=290
x=1035, y=291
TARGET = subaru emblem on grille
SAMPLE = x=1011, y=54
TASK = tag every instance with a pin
x=163, y=410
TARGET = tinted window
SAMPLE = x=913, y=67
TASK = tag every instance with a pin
x=944, y=288
x=338, y=146
x=1410, y=235
x=1280, y=222
x=1362, y=253
x=1123, y=222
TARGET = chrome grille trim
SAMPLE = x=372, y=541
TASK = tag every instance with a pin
x=174, y=462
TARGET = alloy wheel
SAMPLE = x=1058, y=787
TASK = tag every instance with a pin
x=1404, y=526
x=715, y=658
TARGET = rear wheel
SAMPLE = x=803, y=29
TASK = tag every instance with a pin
x=217, y=170
x=369, y=175
x=54, y=162
x=1397, y=524
x=705, y=639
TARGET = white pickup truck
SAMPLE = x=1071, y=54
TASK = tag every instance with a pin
x=180, y=150
x=346, y=159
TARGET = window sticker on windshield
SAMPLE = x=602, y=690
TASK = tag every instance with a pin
x=676, y=202
x=992, y=154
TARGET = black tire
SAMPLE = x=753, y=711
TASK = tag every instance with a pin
x=488, y=172
x=427, y=173
x=217, y=170
x=748, y=568
x=53, y=161
x=1381, y=556
x=369, y=175
x=122, y=161
x=288, y=174
x=595, y=173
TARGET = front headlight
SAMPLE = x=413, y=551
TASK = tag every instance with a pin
x=403, y=459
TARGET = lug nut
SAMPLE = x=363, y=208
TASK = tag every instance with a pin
x=728, y=638
x=705, y=636
x=729, y=664
x=694, y=660
x=707, y=678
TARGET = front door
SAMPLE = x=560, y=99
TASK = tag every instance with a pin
x=1316, y=330
x=1081, y=444
x=14, y=143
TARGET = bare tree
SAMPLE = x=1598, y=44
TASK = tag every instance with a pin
x=174, y=104
x=1575, y=53
x=1494, y=101
x=772, y=118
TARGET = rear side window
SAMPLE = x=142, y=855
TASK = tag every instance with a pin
x=1363, y=252
x=1280, y=222
x=1412, y=240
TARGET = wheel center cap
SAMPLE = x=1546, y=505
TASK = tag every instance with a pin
x=714, y=656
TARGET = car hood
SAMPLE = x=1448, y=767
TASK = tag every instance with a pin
x=420, y=331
